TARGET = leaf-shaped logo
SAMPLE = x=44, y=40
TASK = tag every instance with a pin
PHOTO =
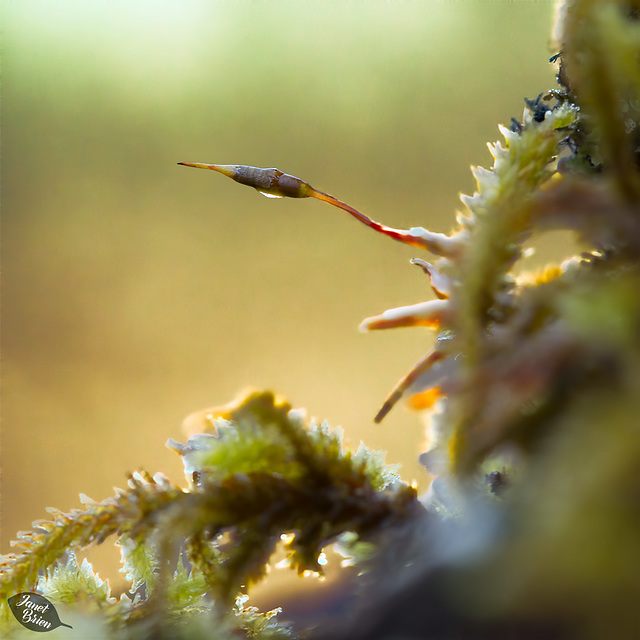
x=35, y=612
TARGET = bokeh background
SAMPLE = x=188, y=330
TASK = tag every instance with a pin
x=136, y=291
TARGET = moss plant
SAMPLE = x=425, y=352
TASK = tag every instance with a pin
x=263, y=474
x=532, y=395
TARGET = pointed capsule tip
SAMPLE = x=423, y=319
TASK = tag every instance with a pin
x=197, y=165
x=229, y=170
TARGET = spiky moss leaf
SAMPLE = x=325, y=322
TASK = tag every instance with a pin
x=50, y=540
x=248, y=437
x=262, y=434
x=70, y=582
x=501, y=210
x=381, y=475
x=139, y=563
x=206, y=558
x=187, y=588
x=261, y=626
x=502, y=220
x=244, y=449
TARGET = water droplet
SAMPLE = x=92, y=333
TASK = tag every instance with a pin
x=269, y=195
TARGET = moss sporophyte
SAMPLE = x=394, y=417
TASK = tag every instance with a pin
x=530, y=527
x=503, y=193
x=275, y=183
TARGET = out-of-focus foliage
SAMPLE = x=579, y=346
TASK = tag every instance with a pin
x=537, y=376
x=531, y=526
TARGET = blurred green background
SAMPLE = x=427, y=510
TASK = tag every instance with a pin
x=136, y=291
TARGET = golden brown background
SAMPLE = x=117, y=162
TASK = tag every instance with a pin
x=136, y=291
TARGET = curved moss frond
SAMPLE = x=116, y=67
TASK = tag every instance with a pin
x=51, y=539
x=264, y=473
